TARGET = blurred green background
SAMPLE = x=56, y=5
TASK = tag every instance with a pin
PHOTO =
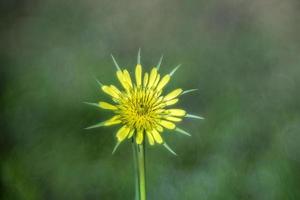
x=243, y=56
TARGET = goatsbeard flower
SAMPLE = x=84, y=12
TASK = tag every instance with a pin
x=141, y=107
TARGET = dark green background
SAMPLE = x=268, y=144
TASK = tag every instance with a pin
x=243, y=56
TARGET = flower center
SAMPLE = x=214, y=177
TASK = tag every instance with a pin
x=142, y=109
x=139, y=109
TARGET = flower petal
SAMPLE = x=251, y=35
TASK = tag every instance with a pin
x=122, y=133
x=122, y=80
x=156, y=80
x=152, y=77
x=107, y=106
x=157, y=136
x=115, y=89
x=112, y=121
x=108, y=90
x=138, y=75
x=131, y=133
x=164, y=81
x=176, y=112
x=127, y=77
x=140, y=136
x=159, y=128
x=150, y=138
x=174, y=119
x=167, y=124
x=171, y=102
x=173, y=94
x=146, y=77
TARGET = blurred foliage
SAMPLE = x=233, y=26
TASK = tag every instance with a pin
x=243, y=56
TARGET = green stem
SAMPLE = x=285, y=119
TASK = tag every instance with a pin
x=134, y=150
x=139, y=153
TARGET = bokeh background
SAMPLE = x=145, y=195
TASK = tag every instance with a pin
x=243, y=56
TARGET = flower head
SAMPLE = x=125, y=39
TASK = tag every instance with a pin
x=141, y=107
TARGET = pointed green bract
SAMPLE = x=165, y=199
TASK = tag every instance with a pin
x=193, y=116
x=159, y=62
x=182, y=131
x=174, y=70
x=116, y=147
x=92, y=104
x=100, y=84
x=96, y=125
x=139, y=56
x=188, y=91
x=115, y=62
x=169, y=149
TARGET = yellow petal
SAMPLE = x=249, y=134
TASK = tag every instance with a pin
x=159, y=111
x=164, y=81
x=157, y=136
x=108, y=90
x=146, y=77
x=122, y=133
x=176, y=112
x=173, y=94
x=120, y=76
x=159, y=128
x=138, y=75
x=140, y=136
x=152, y=77
x=107, y=106
x=122, y=80
x=156, y=80
x=167, y=124
x=174, y=119
x=115, y=89
x=112, y=121
x=131, y=133
x=171, y=102
x=127, y=77
x=150, y=138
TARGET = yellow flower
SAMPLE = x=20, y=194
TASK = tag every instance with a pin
x=140, y=107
